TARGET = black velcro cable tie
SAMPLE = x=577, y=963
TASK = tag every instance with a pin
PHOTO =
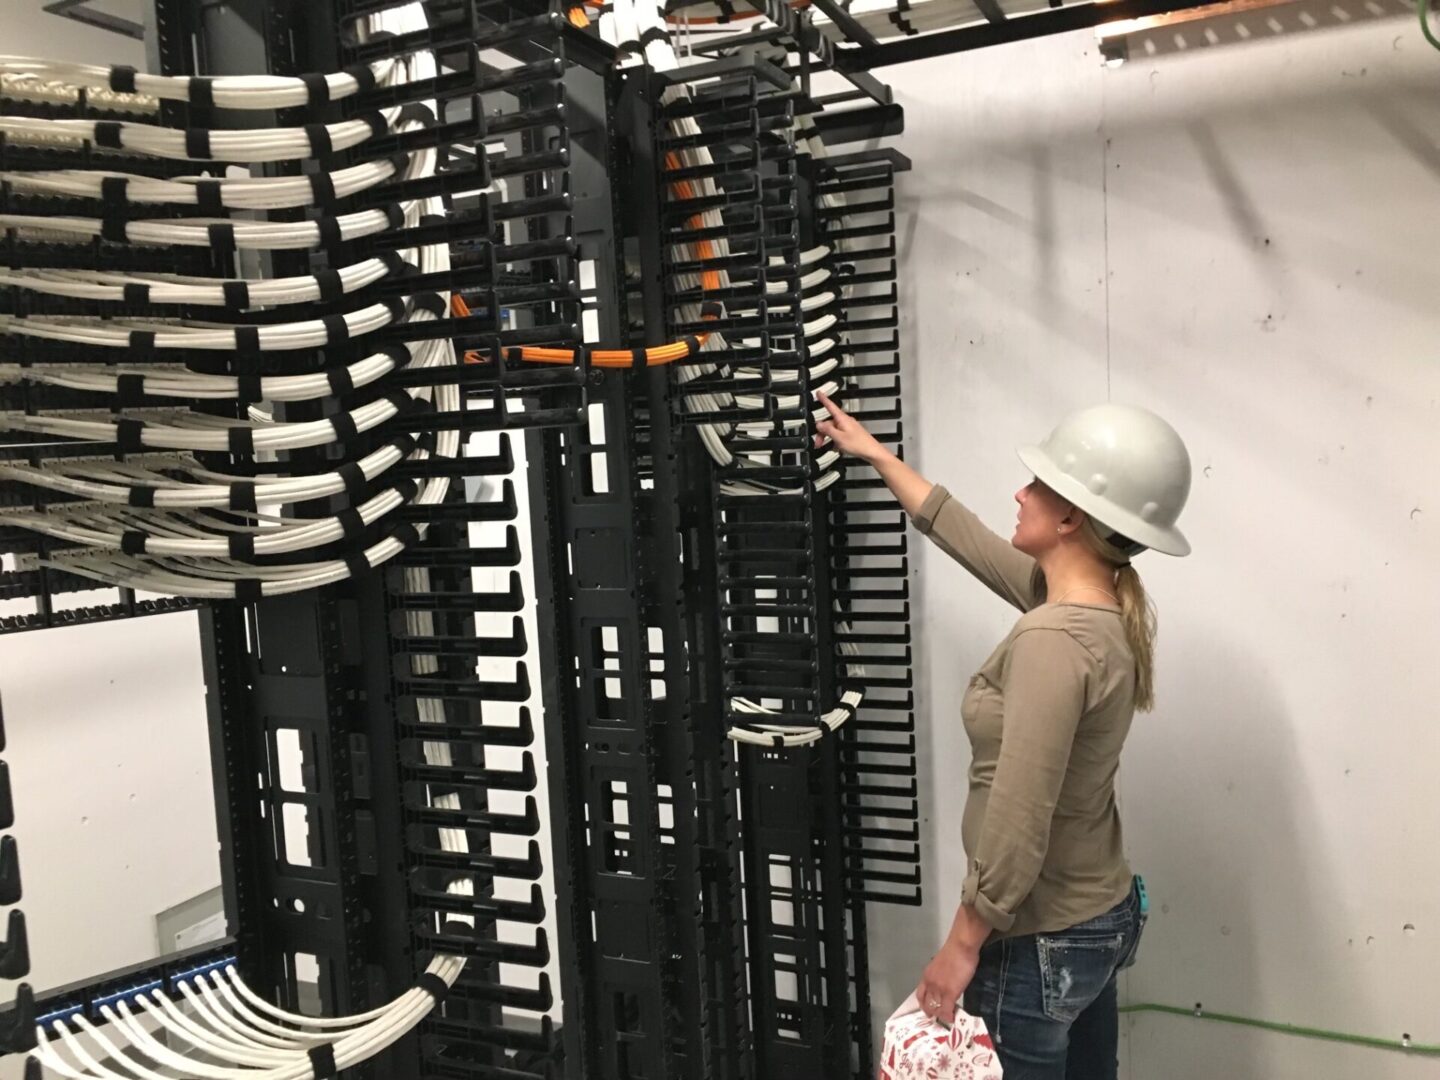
x=691, y=343
x=353, y=477
x=107, y=134
x=627, y=48
x=197, y=144
x=201, y=92
x=900, y=19
x=727, y=10
x=848, y=709
x=711, y=309
x=241, y=545
x=142, y=340
x=122, y=79
x=514, y=354
x=331, y=288
x=115, y=208
x=416, y=113
x=222, y=239
x=426, y=441
x=322, y=188
x=341, y=381
x=394, y=215
x=236, y=294
x=362, y=74
x=249, y=591
x=208, y=198
x=344, y=425
x=318, y=135
x=317, y=88
x=329, y=227
x=247, y=340
x=377, y=122
x=401, y=401
x=406, y=533
x=432, y=302
x=405, y=443
x=141, y=495
x=127, y=435
x=247, y=390
x=639, y=359
x=242, y=497
x=241, y=441
x=129, y=389
x=393, y=263
x=395, y=306
x=357, y=564
x=407, y=489
x=135, y=292
x=336, y=329
x=581, y=353
x=655, y=33
x=351, y=523
x=398, y=353
x=433, y=985
x=777, y=739
x=132, y=542
x=399, y=162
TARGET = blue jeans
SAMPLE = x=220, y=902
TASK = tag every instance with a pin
x=1049, y=1000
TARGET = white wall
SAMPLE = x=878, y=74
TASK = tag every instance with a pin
x=1244, y=238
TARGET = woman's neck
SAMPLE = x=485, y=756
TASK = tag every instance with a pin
x=1078, y=575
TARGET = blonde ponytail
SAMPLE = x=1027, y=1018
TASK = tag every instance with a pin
x=1137, y=614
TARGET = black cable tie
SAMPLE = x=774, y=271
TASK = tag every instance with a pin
x=362, y=74
x=241, y=441
x=515, y=355
x=242, y=546
x=691, y=343
x=337, y=330
x=344, y=426
x=353, y=477
x=400, y=162
x=141, y=495
x=406, y=533
x=351, y=523
x=318, y=135
x=848, y=709
x=394, y=214
x=329, y=227
x=222, y=239
x=341, y=381
x=639, y=359
x=135, y=292
x=398, y=353
x=405, y=443
x=357, y=564
x=581, y=353
x=201, y=92
x=115, y=208
x=122, y=79
x=627, y=49
x=248, y=591
x=317, y=89
x=655, y=33
x=378, y=124
x=247, y=340
x=248, y=389
x=197, y=144
x=406, y=488
x=433, y=985
x=432, y=302
x=132, y=542
x=402, y=401
x=142, y=340
x=900, y=19
x=322, y=188
x=711, y=309
x=395, y=306
x=107, y=134
x=426, y=441
x=236, y=294
x=127, y=435
x=417, y=112
x=727, y=10
x=129, y=389
x=777, y=740
x=393, y=263
x=242, y=497
x=208, y=198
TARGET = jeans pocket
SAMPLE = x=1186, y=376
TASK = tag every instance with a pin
x=1132, y=947
x=1074, y=970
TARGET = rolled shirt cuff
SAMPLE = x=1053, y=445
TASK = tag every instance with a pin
x=971, y=896
x=924, y=518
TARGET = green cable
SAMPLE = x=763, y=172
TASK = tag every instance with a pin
x=1291, y=1029
x=1425, y=24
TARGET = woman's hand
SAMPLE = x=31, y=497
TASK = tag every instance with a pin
x=945, y=980
x=847, y=434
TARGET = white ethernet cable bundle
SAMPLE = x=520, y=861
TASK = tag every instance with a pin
x=228, y=1022
x=639, y=24
x=158, y=520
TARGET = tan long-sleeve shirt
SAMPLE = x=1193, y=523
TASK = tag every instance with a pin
x=1046, y=715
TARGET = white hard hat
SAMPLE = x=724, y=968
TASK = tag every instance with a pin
x=1122, y=465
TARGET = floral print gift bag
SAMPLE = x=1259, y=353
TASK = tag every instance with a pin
x=918, y=1048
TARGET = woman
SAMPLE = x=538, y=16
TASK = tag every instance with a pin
x=1050, y=911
